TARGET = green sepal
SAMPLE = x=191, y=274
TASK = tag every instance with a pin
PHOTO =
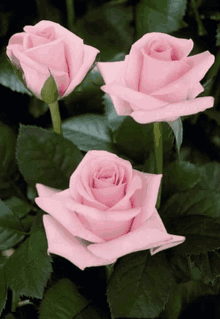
x=49, y=92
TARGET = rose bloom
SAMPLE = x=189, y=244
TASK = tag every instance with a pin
x=157, y=81
x=49, y=46
x=108, y=211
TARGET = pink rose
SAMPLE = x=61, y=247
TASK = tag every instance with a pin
x=157, y=81
x=107, y=212
x=49, y=46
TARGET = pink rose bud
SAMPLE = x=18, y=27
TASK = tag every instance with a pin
x=158, y=81
x=107, y=212
x=48, y=48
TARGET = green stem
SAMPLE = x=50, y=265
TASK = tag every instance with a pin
x=55, y=116
x=158, y=149
x=201, y=30
x=15, y=300
x=70, y=13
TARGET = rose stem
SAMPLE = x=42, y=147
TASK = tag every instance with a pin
x=158, y=149
x=15, y=300
x=70, y=13
x=55, y=116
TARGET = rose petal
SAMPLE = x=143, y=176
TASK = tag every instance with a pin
x=150, y=235
x=184, y=46
x=48, y=54
x=139, y=100
x=73, y=48
x=110, y=196
x=201, y=63
x=31, y=41
x=195, y=90
x=178, y=89
x=97, y=215
x=110, y=71
x=79, y=181
x=16, y=39
x=158, y=73
x=107, y=225
x=146, y=197
x=62, y=243
x=35, y=74
x=45, y=191
x=57, y=209
x=174, y=110
x=87, y=61
x=135, y=57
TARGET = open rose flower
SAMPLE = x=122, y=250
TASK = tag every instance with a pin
x=107, y=212
x=158, y=81
x=48, y=46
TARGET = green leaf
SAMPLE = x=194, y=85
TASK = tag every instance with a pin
x=218, y=35
x=3, y=289
x=137, y=140
x=19, y=206
x=195, y=215
x=139, y=285
x=11, y=228
x=86, y=97
x=183, y=294
x=9, y=75
x=46, y=157
x=177, y=128
x=49, y=91
x=29, y=268
x=21, y=210
x=209, y=265
x=179, y=177
x=113, y=118
x=62, y=301
x=210, y=176
x=100, y=26
x=7, y=152
x=89, y=132
x=159, y=16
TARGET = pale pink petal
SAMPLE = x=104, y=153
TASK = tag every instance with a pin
x=200, y=64
x=195, y=90
x=109, y=196
x=31, y=41
x=57, y=209
x=184, y=46
x=139, y=101
x=62, y=243
x=108, y=224
x=125, y=202
x=180, y=89
x=157, y=73
x=97, y=215
x=46, y=191
x=73, y=46
x=35, y=74
x=79, y=181
x=87, y=61
x=135, y=57
x=146, y=197
x=173, y=92
x=17, y=38
x=110, y=71
x=174, y=110
x=150, y=235
x=48, y=54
